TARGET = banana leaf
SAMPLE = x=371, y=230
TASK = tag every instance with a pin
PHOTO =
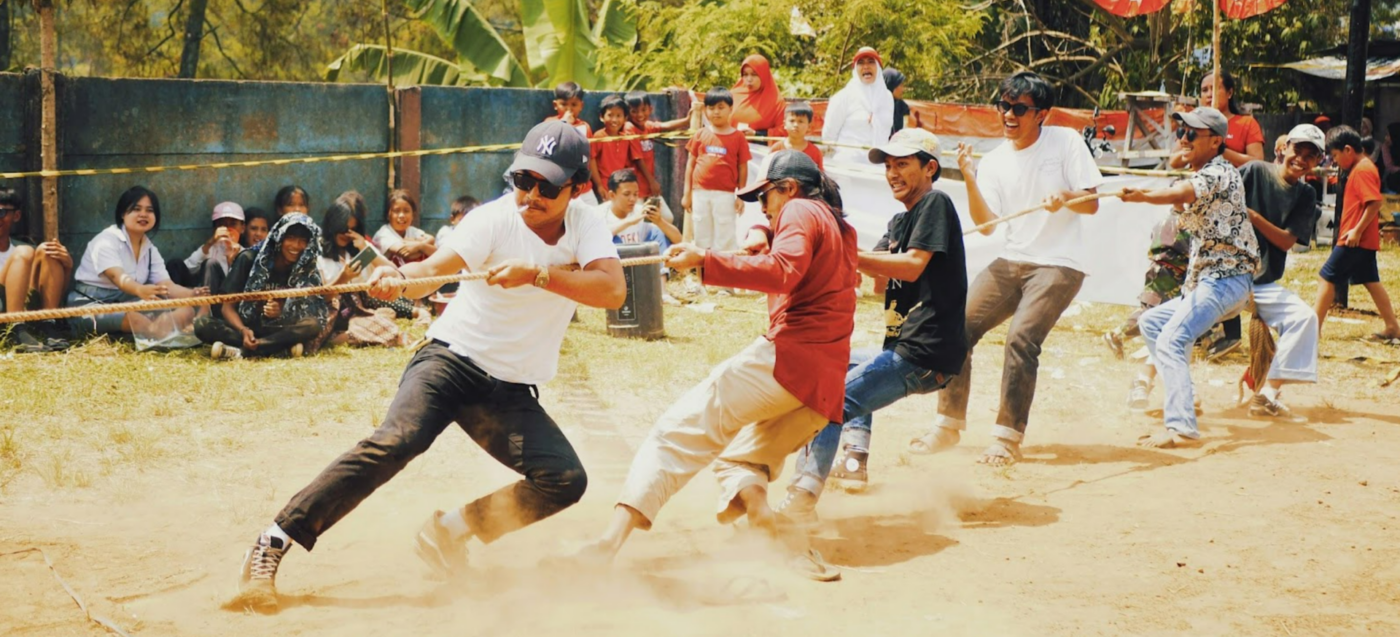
x=410, y=67
x=558, y=37
x=617, y=23
x=476, y=42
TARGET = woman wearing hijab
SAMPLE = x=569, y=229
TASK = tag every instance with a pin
x=286, y=259
x=757, y=103
x=862, y=113
x=894, y=81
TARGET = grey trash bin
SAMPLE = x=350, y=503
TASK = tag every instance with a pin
x=640, y=315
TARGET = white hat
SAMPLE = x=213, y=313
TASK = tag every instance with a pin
x=229, y=210
x=1308, y=134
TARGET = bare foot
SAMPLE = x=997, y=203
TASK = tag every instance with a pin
x=936, y=440
x=1166, y=439
x=761, y=517
x=1001, y=453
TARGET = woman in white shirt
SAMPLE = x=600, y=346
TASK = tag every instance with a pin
x=122, y=264
x=862, y=113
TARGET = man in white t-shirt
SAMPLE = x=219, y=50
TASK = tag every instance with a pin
x=1038, y=274
x=497, y=341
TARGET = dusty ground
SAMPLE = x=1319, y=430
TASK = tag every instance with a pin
x=145, y=476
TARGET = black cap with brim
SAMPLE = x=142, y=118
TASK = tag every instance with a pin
x=555, y=150
x=783, y=164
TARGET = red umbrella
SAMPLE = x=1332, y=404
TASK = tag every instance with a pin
x=1241, y=9
x=1131, y=8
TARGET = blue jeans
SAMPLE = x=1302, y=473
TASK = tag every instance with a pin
x=875, y=379
x=1171, y=328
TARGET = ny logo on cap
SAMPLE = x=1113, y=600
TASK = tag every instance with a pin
x=546, y=146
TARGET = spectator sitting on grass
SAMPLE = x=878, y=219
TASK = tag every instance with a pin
x=31, y=278
x=291, y=199
x=288, y=259
x=631, y=223
x=122, y=264
x=208, y=265
x=399, y=239
x=460, y=207
x=257, y=223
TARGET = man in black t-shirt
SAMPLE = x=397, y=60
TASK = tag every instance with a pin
x=925, y=309
x=1282, y=209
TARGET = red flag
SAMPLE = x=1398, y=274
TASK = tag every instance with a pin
x=1241, y=9
x=1131, y=8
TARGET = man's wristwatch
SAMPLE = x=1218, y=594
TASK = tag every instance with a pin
x=542, y=279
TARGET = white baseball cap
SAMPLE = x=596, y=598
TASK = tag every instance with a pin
x=229, y=210
x=1308, y=134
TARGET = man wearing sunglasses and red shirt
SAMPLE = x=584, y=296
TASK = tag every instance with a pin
x=1038, y=273
x=497, y=341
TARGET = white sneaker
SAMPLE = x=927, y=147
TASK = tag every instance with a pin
x=1138, y=395
x=1262, y=405
x=667, y=299
x=693, y=288
x=219, y=350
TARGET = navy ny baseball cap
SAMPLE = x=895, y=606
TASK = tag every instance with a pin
x=556, y=150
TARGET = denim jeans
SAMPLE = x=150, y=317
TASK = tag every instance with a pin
x=1171, y=328
x=875, y=379
x=1033, y=297
x=437, y=389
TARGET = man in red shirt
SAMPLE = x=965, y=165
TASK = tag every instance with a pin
x=1358, y=234
x=760, y=406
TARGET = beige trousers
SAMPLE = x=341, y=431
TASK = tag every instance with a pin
x=739, y=417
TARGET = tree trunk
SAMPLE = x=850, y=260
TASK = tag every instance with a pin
x=48, y=133
x=1354, y=97
x=5, y=33
x=194, y=33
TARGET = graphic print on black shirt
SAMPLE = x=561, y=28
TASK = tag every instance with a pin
x=925, y=319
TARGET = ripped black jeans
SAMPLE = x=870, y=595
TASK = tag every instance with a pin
x=437, y=389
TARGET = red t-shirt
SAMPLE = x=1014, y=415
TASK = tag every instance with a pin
x=1243, y=130
x=717, y=159
x=811, y=150
x=648, y=153
x=1363, y=187
x=614, y=155
x=810, y=277
x=587, y=131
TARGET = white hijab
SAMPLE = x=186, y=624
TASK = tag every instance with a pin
x=876, y=99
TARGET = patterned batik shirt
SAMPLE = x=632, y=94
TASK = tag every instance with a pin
x=1222, y=239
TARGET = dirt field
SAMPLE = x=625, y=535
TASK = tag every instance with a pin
x=144, y=477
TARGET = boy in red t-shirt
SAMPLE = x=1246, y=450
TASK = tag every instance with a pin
x=615, y=155
x=1353, y=256
x=639, y=122
x=718, y=167
x=568, y=105
x=797, y=119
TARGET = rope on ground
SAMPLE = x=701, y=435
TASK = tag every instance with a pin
x=264, y=295
x=1016, y=215
x=96, y=619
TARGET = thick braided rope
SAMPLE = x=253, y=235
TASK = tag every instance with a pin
x=1016, y=215
x=264, y=295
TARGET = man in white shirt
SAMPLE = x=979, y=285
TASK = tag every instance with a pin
x=497, y=341
x=1038, y=274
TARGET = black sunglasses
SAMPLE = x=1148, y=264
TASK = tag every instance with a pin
x=1189, y=133
x=527, y=182
x=1019, y=110
x=763, y=194
x=7, y=210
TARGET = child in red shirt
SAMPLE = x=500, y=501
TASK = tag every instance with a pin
x=568, y=105
x=718, y=167
x=615, y=155
x=1353, y=258
x=797, y=119
x=639, y=122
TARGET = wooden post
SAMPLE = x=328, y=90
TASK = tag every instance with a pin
x=1354, y=95
x=410, y=137
x=1215, y=54
x=48, y=136
x=393, y=95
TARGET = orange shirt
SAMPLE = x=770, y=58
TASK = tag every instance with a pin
x=717, y=159
x=614, y=155
x=1363, y=187
x=648, y=153
x=1243, y=130
x=811, y=150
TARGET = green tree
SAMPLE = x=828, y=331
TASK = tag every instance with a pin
x=700, y=44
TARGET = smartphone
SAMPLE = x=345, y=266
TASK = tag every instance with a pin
x=364, y=259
